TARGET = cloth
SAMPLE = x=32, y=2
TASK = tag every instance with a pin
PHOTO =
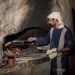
x=52, y=53
x=57, y=16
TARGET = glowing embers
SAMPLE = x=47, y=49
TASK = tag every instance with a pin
x=16, y=51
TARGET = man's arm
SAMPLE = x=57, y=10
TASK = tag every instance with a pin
x=63, y=50
x=40, y=40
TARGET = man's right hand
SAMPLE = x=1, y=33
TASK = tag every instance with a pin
x=31, y=39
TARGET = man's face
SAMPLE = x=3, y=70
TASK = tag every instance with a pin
x=53, y=22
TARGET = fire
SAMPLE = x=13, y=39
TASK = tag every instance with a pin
x=16, y=50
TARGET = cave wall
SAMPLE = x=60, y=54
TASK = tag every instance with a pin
x=19, y=14
x=64, y=7
x=37, y=17
x=72, y=2
x=40, y=10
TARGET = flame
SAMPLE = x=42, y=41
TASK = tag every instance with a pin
x=16, y=49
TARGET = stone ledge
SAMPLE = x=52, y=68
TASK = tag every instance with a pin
x=38, y=58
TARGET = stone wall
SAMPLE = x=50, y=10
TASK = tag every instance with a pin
x=64, y=7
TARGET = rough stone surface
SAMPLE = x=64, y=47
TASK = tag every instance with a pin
x=12, y=14
x=30, y=64
x=15, y=15
x=64, y=7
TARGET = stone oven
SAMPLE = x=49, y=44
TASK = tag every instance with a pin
x=20, y=19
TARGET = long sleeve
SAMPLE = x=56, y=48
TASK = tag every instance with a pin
x=43, y=40
x=68, y=39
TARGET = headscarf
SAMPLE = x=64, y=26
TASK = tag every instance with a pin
x=57, y=16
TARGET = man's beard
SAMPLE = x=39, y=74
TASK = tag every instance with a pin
x=51, y=25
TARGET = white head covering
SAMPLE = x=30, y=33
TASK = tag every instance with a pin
x=57, y=16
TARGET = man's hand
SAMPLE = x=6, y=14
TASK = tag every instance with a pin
x=31, y=39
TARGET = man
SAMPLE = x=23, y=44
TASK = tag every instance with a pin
x=61, y=42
